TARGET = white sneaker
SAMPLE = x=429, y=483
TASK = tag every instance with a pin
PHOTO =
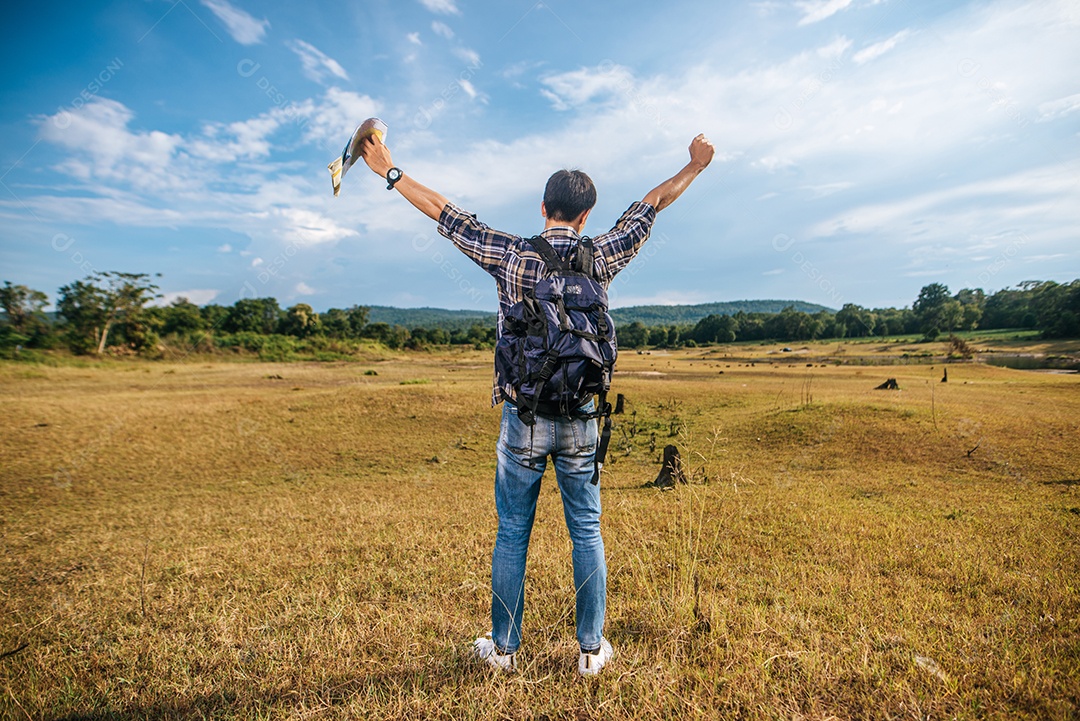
x=589, y=664
x=484, y=649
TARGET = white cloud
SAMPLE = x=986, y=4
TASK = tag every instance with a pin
x=836, y=48
x=235, y=141
x=244, y=28
x=442, y=7
x=303, y=288
x=826, y=189
x=101, y=146
x=308, y=227
x=467, y=87
x=768, y=8
x=469, y=56
x=932, y=273
x=818, y=10
x=1054, y=109
x=316, y=64
x=224, y=248
x=774, y=271
x=256, y=262
x=331, y=119
x=516, y=70
x=772, y=163
x=878, y=49
x=880, y=127
x=138, y=178
x=442, y=29
x=414, y=38
x=582, y=86
x=958, y=210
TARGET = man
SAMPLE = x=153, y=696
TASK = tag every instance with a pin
x=571, y=442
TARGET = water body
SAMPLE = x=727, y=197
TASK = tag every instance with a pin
x=1031, y=362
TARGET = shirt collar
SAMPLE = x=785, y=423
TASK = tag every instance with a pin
x=560, y=231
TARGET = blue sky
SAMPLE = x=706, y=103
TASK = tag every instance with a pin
x=865, y=148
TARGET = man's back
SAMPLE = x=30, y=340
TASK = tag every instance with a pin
x=517, y=266
x=526, y=445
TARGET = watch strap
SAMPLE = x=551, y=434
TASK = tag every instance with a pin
x=391, y=181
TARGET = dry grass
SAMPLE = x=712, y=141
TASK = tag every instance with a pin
x=193, y=540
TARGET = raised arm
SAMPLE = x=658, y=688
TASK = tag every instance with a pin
x=424, y=199
x=663, y=195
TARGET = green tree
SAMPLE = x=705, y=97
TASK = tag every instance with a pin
x=438, y=336
x=81, y=305
x=825, y=324
x=253, y=315
x=481, y=337
x=791, y=324
x=937, y=311
x=751, y=326
x=420, y=338
x=181, y=316
x=635, y=335
x=300, y=321
x=714, y=329
x=391, y=336
x=23, y=307
x=972, y=303
x=335, y=323
x=1057, y=309
x=854, y=321
x=358, y=318
x=213, y=316
x=348, y=323
x=398, y=337
x=92, y=308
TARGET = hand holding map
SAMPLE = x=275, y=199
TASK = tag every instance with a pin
x=339, y=166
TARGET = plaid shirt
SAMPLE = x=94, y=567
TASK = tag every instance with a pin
x=516, y=267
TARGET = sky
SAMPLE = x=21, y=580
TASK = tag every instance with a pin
x=864, y=148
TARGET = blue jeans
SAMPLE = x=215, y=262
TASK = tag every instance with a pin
x=522, y=457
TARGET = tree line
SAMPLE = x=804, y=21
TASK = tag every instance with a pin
x=1051, y=308
x=111, y=312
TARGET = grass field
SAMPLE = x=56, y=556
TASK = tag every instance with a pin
x=251, y=540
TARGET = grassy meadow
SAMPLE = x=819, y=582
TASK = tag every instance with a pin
x=209, y=539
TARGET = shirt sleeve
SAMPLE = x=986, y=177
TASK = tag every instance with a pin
x=485, y=246
x=617, y=247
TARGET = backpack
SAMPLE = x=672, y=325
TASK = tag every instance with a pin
x=557, y=347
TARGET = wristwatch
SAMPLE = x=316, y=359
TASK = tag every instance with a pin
x=392, y=176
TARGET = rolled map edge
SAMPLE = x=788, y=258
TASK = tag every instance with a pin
x=340, y=165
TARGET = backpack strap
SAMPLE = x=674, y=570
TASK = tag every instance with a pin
x=585, y=256
x=603, y=411
x=583, y=262
x=547, y=253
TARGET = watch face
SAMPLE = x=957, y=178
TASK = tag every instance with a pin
x=394, y=174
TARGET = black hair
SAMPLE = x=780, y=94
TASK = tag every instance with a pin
x=568, y=194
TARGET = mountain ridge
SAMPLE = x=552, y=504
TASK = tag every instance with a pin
x=649, y=315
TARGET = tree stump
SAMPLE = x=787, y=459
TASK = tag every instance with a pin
x=945, y=376
x=619, y=401
x=671, y=472
x=889, y=385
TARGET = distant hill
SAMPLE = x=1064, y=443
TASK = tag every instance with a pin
x=648, y=314
x=430, y=317
x=690, y=314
